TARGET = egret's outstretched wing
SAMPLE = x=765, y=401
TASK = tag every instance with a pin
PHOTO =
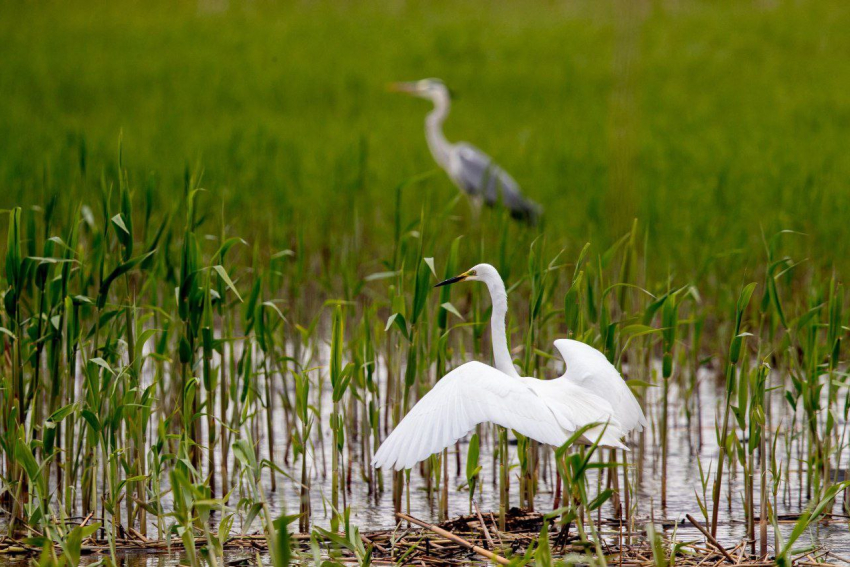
x=588, y=368
x=477, y=175
x=468, y=395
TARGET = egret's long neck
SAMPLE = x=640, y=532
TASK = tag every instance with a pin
x=498, y=330
x=437, y=142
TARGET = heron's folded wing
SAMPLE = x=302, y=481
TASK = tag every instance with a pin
x=468, y=395
x=478, y=175
x=588, y=368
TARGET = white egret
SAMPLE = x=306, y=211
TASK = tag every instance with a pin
x=549, y=411
x=469, y=168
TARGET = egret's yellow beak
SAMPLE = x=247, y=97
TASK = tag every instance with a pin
x=455, y=279
x=409, y=88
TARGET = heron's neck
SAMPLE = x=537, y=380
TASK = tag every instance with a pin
x=437, y=142
x=498, y=329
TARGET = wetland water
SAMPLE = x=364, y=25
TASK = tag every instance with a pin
x=374, y=511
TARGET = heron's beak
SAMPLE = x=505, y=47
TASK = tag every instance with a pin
x=409, y=88
x=455, y=279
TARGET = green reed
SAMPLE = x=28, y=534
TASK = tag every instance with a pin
x=145, y=356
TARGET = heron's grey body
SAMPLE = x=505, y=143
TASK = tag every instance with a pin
x=473, y=171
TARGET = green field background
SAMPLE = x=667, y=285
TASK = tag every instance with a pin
x=710, y=122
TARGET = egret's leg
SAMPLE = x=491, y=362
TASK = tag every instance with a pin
x=444, y=500
x=503, y=476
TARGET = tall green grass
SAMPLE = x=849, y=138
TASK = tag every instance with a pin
x=263, y=323
x=712, y=124
x=142, y=353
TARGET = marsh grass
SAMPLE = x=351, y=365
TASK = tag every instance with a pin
x=183, y=345
x=119, y=342
x=641, y=113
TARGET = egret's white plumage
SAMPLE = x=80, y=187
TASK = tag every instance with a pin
x=549, y=411
x=473, y=171
x=590, y=369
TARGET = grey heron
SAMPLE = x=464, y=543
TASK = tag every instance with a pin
x=590, y=392
x=473, y=171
